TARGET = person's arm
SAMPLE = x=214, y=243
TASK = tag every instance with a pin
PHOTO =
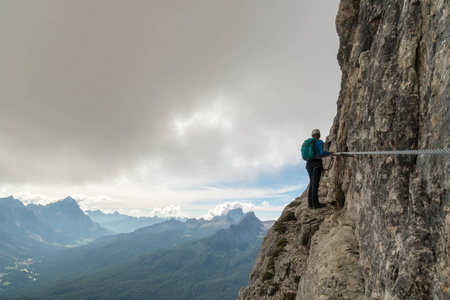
x=321, y=151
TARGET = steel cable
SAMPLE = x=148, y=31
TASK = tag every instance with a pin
x=399, y=152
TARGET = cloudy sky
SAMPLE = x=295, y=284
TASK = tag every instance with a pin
x=171, y=107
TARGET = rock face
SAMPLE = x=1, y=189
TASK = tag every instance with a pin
x=385, y=233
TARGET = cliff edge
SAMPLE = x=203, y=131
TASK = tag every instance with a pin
x=385, y=232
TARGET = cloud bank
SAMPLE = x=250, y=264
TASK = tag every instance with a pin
x=206, y=90
x=161, y=93
x=224, y=208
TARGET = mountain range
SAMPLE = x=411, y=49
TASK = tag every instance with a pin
x=119, y=223
x=23, y=235
x=194, y=259
x=65, y=216
x=27, y=232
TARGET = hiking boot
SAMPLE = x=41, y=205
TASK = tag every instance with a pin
x=318, y=205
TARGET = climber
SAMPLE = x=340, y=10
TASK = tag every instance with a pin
x=315, y=169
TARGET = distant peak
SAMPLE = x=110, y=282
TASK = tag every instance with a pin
x=68, y=203
x=250, y=216
x=236, y=211
x=10, y=200
x=236, y=214
x=69, y=199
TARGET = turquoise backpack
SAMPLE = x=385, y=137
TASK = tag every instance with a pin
x=308, y=149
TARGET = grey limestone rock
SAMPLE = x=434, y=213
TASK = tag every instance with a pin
x=385, y=232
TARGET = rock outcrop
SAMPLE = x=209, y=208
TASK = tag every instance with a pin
x=385, y=232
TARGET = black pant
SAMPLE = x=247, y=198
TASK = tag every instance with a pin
x=315, y=169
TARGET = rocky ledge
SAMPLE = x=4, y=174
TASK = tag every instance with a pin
x=307, y=252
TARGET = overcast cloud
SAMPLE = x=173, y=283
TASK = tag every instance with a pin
x=147, y=102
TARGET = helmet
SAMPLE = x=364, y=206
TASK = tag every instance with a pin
x=315, y=131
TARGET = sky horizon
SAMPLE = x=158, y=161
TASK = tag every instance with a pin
x=181, y=108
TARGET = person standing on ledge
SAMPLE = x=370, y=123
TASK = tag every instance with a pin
x=315, y=169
